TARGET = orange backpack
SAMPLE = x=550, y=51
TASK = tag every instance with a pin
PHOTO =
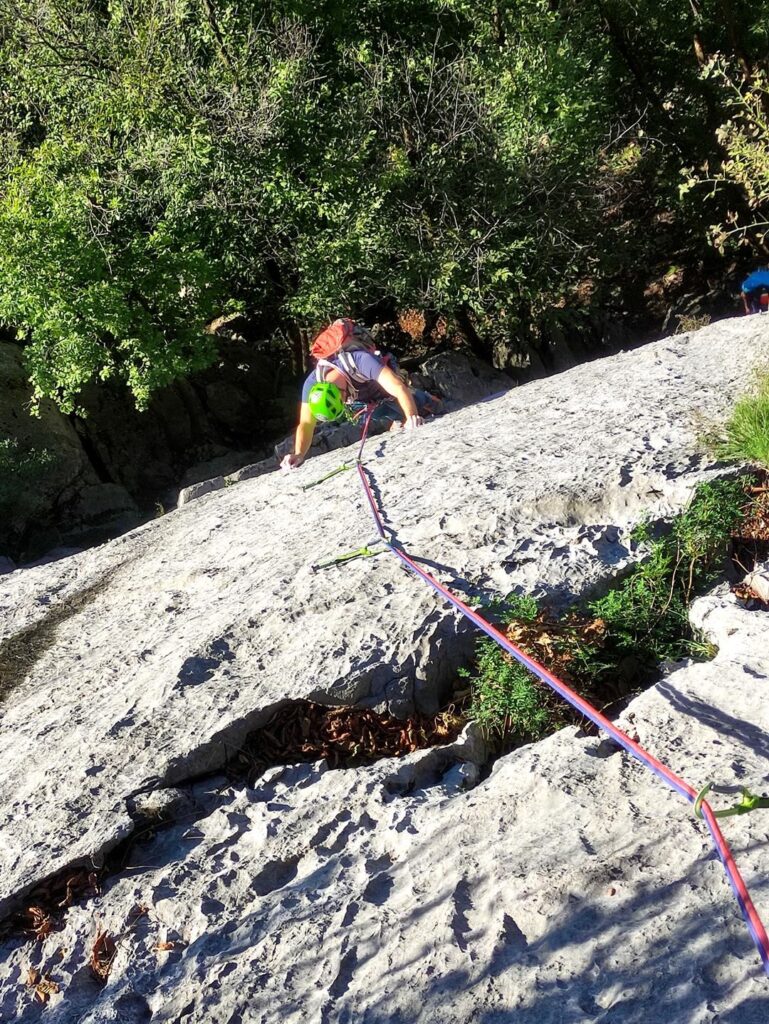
x=335, y=342
x=344, y=335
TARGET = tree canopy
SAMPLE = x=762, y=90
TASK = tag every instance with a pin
x=163, y=162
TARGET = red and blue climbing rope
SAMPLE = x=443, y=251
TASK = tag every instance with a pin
x=675, y=782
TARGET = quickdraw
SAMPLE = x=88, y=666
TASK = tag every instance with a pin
x=364, y=552
x=748, y=802
x=334, y=472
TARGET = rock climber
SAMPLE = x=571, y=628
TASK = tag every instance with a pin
x=349, y=376
x=755, y=291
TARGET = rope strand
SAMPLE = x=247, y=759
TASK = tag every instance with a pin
x=675, y=782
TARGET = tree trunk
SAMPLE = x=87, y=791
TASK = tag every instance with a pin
x=480, y=346
x=300, y=346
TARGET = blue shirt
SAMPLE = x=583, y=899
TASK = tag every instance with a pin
x=758, y=279
x=368, y=365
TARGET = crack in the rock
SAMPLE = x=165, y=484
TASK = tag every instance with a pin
x=68, y=884
x=21, y=651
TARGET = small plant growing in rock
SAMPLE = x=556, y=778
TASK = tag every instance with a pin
x=745, y=436
x=522, y=607
x=506, y=699
x=646, y=616
x=614, y=643
x=688, y=322
x=647, y=613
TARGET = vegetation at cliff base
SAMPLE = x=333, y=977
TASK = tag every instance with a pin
x=21, y=470
x=518, y=169
x=612, y=645
x=746, y=432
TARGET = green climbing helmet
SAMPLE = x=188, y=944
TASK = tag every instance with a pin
x=325, y=401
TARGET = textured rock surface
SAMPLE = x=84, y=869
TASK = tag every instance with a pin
x=570, y=886
x=221, y=466
x=758, y=581
x=464, y=379
x=188, y=494
x=253, y=470
x=134, y=665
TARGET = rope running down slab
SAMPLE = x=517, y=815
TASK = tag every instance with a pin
x=675, y=782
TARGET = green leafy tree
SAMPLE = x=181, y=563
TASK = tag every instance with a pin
x=512, y=165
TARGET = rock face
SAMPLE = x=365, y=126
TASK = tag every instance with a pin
x=49, y=436
x=570, y=886
x=102, y=469
x=464, y=379
x=107, y=471
x=758, y=581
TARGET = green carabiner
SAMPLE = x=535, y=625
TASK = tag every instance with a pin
x=365, y=552
x=748, y=802
x=340, y=469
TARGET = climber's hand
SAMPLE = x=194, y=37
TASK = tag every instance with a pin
x=291, y=461
x=413, y=421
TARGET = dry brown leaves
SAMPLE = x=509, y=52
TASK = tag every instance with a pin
x=755, y=525
x=41, y=917
x=750, y=544
x=41, y=984
x=37, y=922
x=305, y=731
x=547, y=639
x=102, y=955
x=746, y=593
x=413, y=322
x=80, y=884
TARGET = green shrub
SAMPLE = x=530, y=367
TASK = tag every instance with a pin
x=519, y=608
x=645, y=610
x=506, y=699
x=513, y=607
x=746, y=435
x=702, y=532
x=646, y=616
x=629, y=631
x=20, y=469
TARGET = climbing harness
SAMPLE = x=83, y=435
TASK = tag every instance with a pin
x=701, y=807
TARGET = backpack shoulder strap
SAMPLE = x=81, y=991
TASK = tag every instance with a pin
x=327, y=364
x=348, y=365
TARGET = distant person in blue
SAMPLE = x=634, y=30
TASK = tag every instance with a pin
x=755, y=291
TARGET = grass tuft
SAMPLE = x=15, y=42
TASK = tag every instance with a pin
x=613, y=644
x=746, y=434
